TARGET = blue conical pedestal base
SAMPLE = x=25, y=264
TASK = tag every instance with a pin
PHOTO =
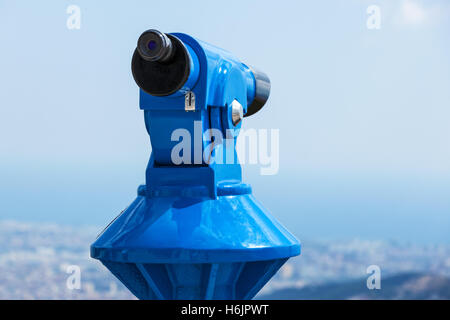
x=173, y=247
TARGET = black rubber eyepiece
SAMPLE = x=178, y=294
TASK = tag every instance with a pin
x=155, y=46
x=160, y=64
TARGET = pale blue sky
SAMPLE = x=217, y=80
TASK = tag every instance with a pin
x=363, y=114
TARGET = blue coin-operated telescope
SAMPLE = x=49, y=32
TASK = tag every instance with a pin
x=194, y=231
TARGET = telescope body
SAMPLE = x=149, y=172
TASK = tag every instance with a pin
x=195, y=231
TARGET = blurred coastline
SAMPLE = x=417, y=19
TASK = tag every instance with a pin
x=34, y=258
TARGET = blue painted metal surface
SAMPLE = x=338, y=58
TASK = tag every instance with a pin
x=194, y=230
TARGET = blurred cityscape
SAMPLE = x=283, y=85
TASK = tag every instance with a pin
x=35, y=260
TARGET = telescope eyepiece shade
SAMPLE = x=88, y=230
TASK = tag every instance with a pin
x=161, y=63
